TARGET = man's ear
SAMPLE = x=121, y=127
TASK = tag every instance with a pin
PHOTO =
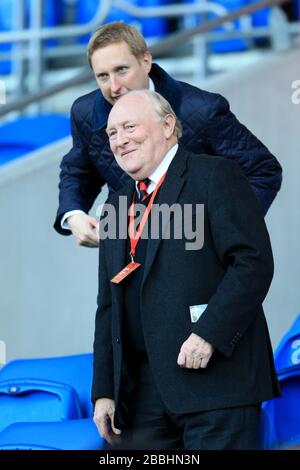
x=147, y=61
x=169, y=124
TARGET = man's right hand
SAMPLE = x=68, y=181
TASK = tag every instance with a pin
x=105, y=412
x=84, y=228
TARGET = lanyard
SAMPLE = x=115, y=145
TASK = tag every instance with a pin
x=135, y=237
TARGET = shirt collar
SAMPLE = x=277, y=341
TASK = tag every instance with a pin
x=151, y=85
x=160, y=170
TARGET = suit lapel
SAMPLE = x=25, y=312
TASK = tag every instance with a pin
x=116, y=248
x=169, y=194
x=119, y=246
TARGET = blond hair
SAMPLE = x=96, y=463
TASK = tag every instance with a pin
x=117, y=32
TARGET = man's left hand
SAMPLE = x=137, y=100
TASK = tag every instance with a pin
x=195, y=353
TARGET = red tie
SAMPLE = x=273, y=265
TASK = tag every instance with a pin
x=143, y=186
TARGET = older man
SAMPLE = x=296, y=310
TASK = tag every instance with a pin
x=182, y=357
x=120, y=60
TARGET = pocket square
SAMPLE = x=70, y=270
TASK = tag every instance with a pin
x=196, y=311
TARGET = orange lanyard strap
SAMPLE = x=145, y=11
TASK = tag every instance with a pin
x=135, y=237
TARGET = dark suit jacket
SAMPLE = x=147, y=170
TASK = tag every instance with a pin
x=231, y=273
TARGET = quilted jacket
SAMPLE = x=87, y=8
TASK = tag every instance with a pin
x=208, y=127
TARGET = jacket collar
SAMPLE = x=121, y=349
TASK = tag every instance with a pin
x=164, y=84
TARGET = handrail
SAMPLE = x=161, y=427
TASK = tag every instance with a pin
x=102, y=12
x=169, y=10
x=156, y=49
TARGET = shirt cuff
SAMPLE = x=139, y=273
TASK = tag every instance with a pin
x=64, y=222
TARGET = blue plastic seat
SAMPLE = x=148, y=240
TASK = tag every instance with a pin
x=46, y=404
x=154, y=27
x=36, y=400
x=78, y=434
x=86, y=9
x=72, y=371
x=19, y=137
x=281, y=419
x=260, y=17
x=150, y=27
x=231, y=45
x=283, y=414
x=224, y=45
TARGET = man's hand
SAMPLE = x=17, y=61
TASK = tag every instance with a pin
x=104, y=412
x=195, y=353
x=83, y=228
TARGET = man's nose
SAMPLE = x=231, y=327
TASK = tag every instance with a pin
x=114, y=85
x=122, y=138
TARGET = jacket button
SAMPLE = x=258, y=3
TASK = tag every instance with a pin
x=118, y=340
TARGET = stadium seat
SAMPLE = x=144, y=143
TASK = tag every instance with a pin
x=231, y=45
x=36, y=400
x=72, y=371
x=26, y=134
x=154, y=27
x=45, y=404
x=86, y=9
x=77, y=434
x=282, y=415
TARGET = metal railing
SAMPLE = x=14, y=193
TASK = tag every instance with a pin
x=41, y=32
x=38, y=34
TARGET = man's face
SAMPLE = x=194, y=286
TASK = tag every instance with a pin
x=138, y=138
x=117, y=71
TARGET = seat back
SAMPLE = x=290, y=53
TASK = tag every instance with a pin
x=72, y=372
x=75, y=434
x=283, y=413
x=36, y=400
x=29, y=133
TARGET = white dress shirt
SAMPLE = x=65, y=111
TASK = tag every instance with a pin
x=160, y=170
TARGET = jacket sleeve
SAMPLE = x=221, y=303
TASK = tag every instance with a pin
x=103, y=385
x=227, y=137
x=242, y=244
x=80, y=183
